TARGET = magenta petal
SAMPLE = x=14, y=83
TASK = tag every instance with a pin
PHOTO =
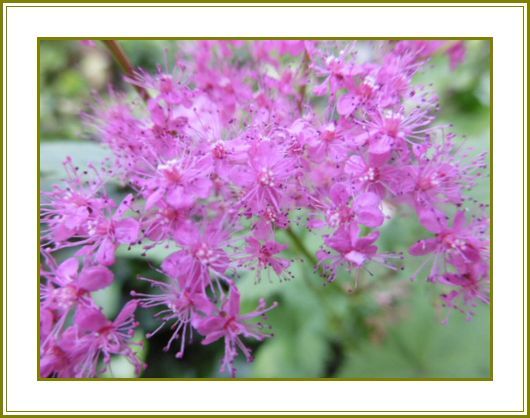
x=355, y=257
x=153, y=198
x=90, y=319
x=279, y=265
x=339, y=194
x=76, y=217
x=67, y=270
x=367, y=200
x=346, y=105
x=203, y=304
x=233, y=304
x=95, y=278
x=355, y=166
x=433, y=220
x=127, y=231
x=106, y=253
x=157, y=113
x=354, y=233
x=315, y=223
x=180, y=198
x=263, y=230
x=126, y=312
x=214, y=336
x=46, y=322
x=174, y=264
x=201, y=188
x=124, y=206
x=209, y=325
x=62, y=232
x=371, y=218
x=425, y=246
x=88, y=42
x=459, y=223
x=381, y=145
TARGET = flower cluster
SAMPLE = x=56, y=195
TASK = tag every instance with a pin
x=237, y=141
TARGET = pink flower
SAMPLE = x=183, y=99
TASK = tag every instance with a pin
x=392, y=129
x=457, y=54
x=98, y=338
x=61, y=356
x=78, y=351
x=351, y=251
x=88, y=42
x=66, y=288
x=66, y=211
x=375, y=176
x=267, y=177
x=202, y=255
x=262, y=255
x=179, y=182
x=442, y=174
x=231, y=325
x=472, y=287
x=341, y=208
x=104, y=234
x=180, y=303
x=458, y=245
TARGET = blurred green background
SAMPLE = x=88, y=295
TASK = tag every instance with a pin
x=392, y=329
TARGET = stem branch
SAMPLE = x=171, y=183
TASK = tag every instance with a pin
x=301, y=247
x=123, y=60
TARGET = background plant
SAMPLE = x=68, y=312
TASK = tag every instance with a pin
x=383, y=328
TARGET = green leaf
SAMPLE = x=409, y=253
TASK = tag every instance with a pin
x=156, y=254
x=420, y=346
x=54, y=153
x=120, y=366
x=109, y=299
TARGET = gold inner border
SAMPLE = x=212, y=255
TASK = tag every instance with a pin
x=490, y=378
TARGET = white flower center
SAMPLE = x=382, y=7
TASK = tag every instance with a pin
x=265, y=177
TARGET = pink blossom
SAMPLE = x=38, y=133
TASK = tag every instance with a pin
x=230, y=325
x=77, y=352
x=458, y=245
x=340, y=208
x=261, y=256
x=351, y=251
x=181, y=302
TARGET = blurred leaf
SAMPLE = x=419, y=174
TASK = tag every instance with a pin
x=109, y=299
x=53, y=154
x=155, y=255
x=120, y=366
x=71, y=83
x=299, y=347
x=420, y=346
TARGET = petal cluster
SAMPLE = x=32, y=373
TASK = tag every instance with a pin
x=240, y=140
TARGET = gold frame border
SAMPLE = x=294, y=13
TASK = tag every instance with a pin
x=490, y=378
x=276, y=5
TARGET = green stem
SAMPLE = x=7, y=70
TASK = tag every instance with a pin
x=301, y=247
x=310, y=257
x=299, y=244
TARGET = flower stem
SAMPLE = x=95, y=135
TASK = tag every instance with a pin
x=304, y=69
x=301, y=247
x=299, y=244
x=123, y=60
